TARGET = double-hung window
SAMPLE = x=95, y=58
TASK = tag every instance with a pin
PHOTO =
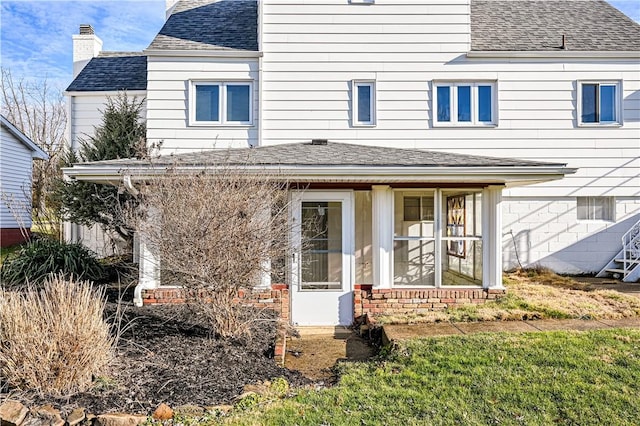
x=464, y=104
x=364, y=103
x=599, y=103
x=221, y=103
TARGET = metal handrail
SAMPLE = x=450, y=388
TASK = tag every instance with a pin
x=630, y=251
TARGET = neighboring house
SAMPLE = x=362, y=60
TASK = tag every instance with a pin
x=17, y=153
x=411, y=97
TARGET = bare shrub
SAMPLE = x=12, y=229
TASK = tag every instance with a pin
x=216, y=232
x=54, y=340
x=38, y=110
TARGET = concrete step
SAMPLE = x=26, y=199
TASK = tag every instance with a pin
x=615, y=271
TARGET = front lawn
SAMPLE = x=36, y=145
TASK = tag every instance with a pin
x=585, y=378
x=535, y=295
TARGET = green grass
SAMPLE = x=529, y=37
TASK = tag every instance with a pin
x=6, y=251
x=566, y=378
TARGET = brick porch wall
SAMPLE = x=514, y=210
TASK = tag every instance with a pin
x=371, y=302
x=276, y=298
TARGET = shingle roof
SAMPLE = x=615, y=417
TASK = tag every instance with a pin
x=331, y=154
x=203, y=25
x=112, y=71
x=538, y=25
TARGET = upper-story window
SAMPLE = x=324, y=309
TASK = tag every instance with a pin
x=464, y=104
x=599, y=103
x=221, y=103
x=364, y=103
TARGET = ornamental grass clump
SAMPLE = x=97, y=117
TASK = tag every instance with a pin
x=54, y=340
x=34, y=262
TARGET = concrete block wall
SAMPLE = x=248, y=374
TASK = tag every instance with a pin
x=546, y=232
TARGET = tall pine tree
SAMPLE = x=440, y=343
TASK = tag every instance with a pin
x=122, y=134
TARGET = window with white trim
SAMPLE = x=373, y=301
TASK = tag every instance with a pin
x=221, y=103
x=596, y=208
x=414, y=240
x=364, y=103
x=599, y=103
x=464, y=104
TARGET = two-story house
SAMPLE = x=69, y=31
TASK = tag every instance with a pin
x=440, y=141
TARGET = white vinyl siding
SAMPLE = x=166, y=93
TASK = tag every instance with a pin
x=86, y=112
x=168, y=103
x=15, y=182
x=313, y=50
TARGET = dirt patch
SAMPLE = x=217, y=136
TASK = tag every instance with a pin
x=166, y=356
x=315, y=355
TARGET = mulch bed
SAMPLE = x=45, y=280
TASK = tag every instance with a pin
x=165, y=356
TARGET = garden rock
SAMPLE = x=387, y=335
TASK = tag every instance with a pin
x=163, y=412
x=76, y=417
x=12, y=413
x=47, y=415
x=188, y=410
x=119, y=419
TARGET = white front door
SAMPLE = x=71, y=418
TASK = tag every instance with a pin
x=321, y=273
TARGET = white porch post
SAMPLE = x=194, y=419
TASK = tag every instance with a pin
x=148, y=269
x=492, y=237
x=382, y=235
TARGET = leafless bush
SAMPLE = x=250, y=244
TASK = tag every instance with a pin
x=38, y=110
x=217, y=231
x=54, y=340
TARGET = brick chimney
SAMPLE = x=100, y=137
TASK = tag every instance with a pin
x=86, y=45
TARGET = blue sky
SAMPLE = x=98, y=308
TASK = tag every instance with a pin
x=35, y=35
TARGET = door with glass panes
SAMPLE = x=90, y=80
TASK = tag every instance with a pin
x=321, y=270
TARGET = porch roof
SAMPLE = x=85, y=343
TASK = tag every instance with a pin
x=336, y=162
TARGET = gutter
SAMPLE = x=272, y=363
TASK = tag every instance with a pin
x=564, y=54
x=520, y=174
x=204, y=53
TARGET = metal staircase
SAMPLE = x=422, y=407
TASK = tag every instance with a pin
x=626, y=264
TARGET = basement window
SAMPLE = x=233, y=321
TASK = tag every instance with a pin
x=596, y=208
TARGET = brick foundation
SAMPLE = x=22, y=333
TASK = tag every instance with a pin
x=367, y=301
x=276, y=298
x=371, y=302
x=11, y=236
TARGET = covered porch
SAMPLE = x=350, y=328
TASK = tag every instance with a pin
x=373, y=229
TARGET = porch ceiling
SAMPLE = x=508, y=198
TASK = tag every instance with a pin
x=335, y=162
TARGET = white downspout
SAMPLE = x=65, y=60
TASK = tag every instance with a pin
x=148, y=270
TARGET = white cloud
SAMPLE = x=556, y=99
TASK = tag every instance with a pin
x=36, y=35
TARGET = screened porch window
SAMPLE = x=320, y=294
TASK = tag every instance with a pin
x=462, y=239
x=414, y=239
x=426, y=230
